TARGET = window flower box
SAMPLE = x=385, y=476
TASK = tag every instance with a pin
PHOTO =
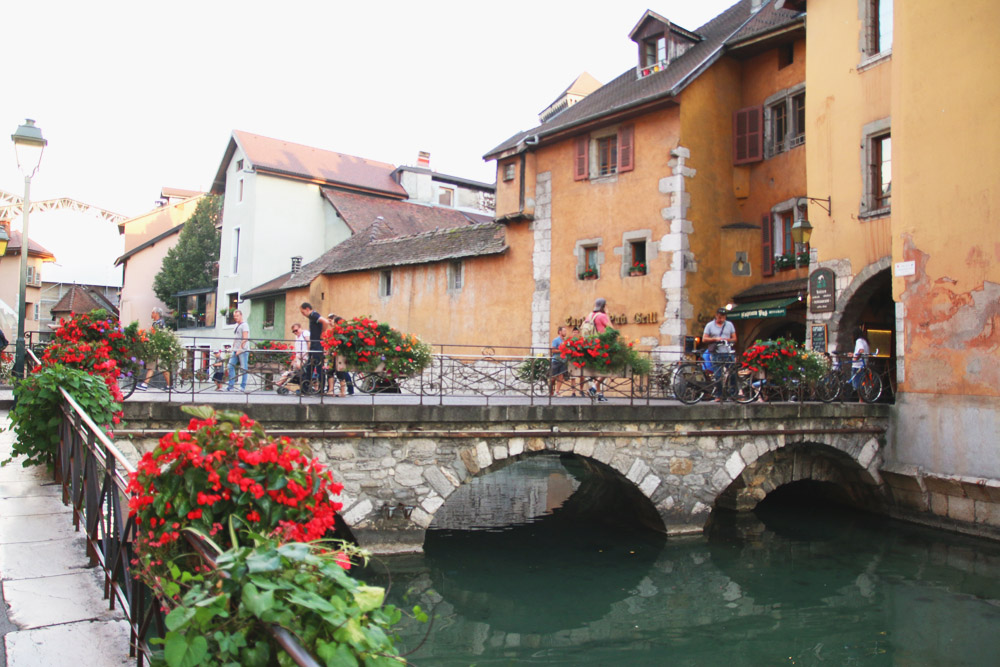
x=637, y=269
x=589, y=274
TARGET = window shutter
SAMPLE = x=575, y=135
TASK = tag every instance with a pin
x=767, y=247
x=626, y=151
x=581, y=163
x=748, y=135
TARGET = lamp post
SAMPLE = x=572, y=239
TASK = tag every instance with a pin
x=28, y=147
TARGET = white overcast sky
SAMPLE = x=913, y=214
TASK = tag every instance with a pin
x=137, y=95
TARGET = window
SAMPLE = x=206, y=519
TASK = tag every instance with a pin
x=654, y=51
x=385, y=283
x=234, y=304
x=786, y=55
x=604, y=154
x=607, y=156
x=784, y=120
x=779, y=128
x=783, y=233
x=269, y=313
x=509, y=171
x=881, y=170
x=236, y=251
x=455, y=276
x=637, y=257
x=31, y=276
x=747, y=136
x=798, y=120
x=36, y=310
x=241, y=191
x=778, y=249
x=877, y=173
x=878, y=27
x=239, y=165
x=445, y=196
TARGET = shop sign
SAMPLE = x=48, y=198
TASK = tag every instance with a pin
x=822, y=294
x=620, y=319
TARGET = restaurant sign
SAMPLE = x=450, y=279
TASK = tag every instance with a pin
x=822, y=298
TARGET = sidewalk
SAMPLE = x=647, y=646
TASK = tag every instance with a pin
x=54, y=601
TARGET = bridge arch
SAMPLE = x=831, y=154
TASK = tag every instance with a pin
x=850, y=467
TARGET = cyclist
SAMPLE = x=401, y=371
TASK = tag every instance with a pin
x=720, y=334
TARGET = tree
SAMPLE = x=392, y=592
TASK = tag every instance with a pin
x=190, y=264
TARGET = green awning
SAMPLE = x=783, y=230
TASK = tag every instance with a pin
x=761, y=309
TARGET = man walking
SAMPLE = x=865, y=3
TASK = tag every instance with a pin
x=241, y=351
x=317, y=324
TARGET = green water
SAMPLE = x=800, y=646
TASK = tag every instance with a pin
x=795, y=584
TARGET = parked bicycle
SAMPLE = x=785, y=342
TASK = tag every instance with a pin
x=128, y=380
x=847, y=378
x=692, y=382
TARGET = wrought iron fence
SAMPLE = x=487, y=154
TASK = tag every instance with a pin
x=94, y=478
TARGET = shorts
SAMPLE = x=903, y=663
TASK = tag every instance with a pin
x=558, y=367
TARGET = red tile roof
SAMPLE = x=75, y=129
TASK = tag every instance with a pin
x=402, y=218
x=295, y=160
x=34, y=249
x=81, y=299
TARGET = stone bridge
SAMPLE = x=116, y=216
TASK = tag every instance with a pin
x=400, y=463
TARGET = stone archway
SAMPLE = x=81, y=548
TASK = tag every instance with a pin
x=875, y=279
x=854, y=475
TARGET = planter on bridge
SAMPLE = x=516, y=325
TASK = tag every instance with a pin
x=342, y=363
x=588, y=372
x=603, y=355
x=364, y=345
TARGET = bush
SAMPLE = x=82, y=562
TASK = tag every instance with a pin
x=36, y=414
x=365, y=344
x=606, y=352
x=534, y=369
x=782, y=360
x=162, y=346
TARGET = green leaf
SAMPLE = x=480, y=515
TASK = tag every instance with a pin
x=369, y=598
x=202, y=412
x=179, y=617
x=351, y=633
x=180, y=652
x=267, y=561
x=335, y=655
x=294, y=551
x=258, y=603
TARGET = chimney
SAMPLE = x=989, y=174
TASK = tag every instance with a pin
x=296, y=264
x=755, y=6
x=424, y=159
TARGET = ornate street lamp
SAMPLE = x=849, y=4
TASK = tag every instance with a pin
x=801, y=233
x=28, y=147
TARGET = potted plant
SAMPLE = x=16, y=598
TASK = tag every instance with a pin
x=637, y=269
x=786, y=261
x=589, y=274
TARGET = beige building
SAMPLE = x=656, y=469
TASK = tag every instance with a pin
x=10, y=283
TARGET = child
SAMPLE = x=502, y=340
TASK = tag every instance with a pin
x=218, y=363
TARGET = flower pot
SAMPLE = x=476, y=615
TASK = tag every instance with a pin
x=342, y=365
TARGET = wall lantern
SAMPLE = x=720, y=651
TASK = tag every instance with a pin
x=802, y=231
x=4, y=239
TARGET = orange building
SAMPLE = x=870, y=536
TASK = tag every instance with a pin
x=671, y=190
x=902, y=139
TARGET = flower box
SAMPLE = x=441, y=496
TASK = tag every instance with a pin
x=585, y=372
x=341, y=364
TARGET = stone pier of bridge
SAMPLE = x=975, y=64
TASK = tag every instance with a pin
x=400, y=463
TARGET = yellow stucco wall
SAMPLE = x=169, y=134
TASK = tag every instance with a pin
x=946, y=207
x=493, y=306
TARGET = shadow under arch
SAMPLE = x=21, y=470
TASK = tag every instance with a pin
x=835, y=475
x=866, y=301
x=517, y=578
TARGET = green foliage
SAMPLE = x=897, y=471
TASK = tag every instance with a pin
x=782, y=361
x=162, y=346
x=533, y=369
x=223, y=616
x=606, y=352
x=37, y=414
x=189, y=264
x=370, y=346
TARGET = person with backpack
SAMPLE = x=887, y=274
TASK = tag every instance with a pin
x=593, y=324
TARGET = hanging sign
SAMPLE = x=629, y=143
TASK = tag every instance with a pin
x=822, y=297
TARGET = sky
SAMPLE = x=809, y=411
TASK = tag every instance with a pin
x=133, y=96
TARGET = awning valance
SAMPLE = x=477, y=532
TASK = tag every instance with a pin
x=761, y=309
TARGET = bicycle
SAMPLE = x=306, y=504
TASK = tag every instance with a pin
x=691, y=382
x=844, y=377
x=128, y=380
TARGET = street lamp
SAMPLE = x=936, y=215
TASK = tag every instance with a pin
x=28, y=147
x=4, y=239
x=801, y=233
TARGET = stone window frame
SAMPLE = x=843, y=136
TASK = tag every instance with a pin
x=580, y=252
x=625, y=249
x=871, y=53
x=785, y=99
x=798, y=208
x=871, y=132
x=270, y=305
x=385, y=284
x=456, y=276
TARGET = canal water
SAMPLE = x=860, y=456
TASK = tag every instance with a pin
x=796, y=583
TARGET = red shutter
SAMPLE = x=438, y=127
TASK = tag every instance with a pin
x=766, y=247
x=626, y=151
x=581, y=162
x=748, y=135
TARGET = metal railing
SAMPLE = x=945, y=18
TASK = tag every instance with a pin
x=94, y=478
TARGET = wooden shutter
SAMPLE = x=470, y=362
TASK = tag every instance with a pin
x=766, y=247
x=581, y=161
x=626, y=150
x=748, y=135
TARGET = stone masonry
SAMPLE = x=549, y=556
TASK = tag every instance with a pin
x=541, y=262
x=676, y=244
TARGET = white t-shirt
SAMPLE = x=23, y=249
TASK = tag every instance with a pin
x=240, y=345
x=725, y=330
x=860, y=347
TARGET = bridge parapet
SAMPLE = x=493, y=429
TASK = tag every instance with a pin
x=400, y=463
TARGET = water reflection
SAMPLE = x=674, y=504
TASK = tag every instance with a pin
x=804, y=584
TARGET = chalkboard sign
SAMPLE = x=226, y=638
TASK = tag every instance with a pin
x=819, y=338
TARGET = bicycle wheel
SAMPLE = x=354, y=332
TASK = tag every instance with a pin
x=742, y=387
x=126, y=383
x=871, y=386
x=828, y=387
x=365, y=382
x=689, y=384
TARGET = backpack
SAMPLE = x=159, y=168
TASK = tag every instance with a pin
x=3, y=340
x=587, y=329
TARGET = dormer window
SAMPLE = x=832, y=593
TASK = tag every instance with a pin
x=655, y=52
x=660, y=42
